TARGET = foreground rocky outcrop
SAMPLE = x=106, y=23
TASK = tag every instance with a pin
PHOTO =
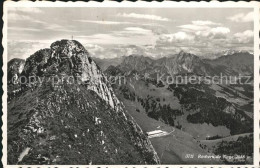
x=15, y=68
x=67, y=113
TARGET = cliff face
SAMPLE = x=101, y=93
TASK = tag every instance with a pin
x=60, y=121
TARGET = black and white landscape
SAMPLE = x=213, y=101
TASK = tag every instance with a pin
x=130, y=86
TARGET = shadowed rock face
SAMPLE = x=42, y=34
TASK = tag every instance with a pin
x=14, y=70
x=72, y=123
x=15, y=67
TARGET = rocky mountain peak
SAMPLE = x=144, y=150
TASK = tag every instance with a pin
x=136, y=62
x=185, y=55
x=68, y=58
x=71, y=58
x=184, y=62
x=182, y=53
x=84, y=109
x=68, y=47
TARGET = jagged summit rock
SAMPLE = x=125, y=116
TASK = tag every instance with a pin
x=72, y=123
x=68, y=58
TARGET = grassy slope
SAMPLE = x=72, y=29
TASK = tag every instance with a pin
x=201, y=131
x=211, y=143
x=71, y=134
x=180, y=144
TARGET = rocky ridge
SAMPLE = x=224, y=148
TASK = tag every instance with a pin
x=66, y=59
x=230, y=63
x=178, y=64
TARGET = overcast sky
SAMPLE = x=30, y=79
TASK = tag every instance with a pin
x=113, y=32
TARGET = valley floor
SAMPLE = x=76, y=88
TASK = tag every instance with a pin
x=174, y=148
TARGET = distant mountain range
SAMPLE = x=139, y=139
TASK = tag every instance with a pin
x=239, y=62
x=233, y=63
x=215, y=55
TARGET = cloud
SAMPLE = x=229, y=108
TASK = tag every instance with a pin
x=196, y=38
x=25, y=10
x=132, y=32
x=205, y=29
x=128, y=35
x=242, y=17
x=175, y=37
x=57, y=27
x=159, y=30
x=244, y=37
x=23, y=29
x=192, y=27
x=15, y=16
x=23, y=49
x=198, y=25
x=204, y=22
x=94, y=47
x=143, y=16
x=39, y=21
x=94, y=50
x=182, y=36
x=23, y=14
x=238, y=41
x=155, y=51
x=200, y=29
x=103, y=22
x=130, y=50
x=136, y=30
x=219, y=32
x=114, y=50
x=120, y=50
